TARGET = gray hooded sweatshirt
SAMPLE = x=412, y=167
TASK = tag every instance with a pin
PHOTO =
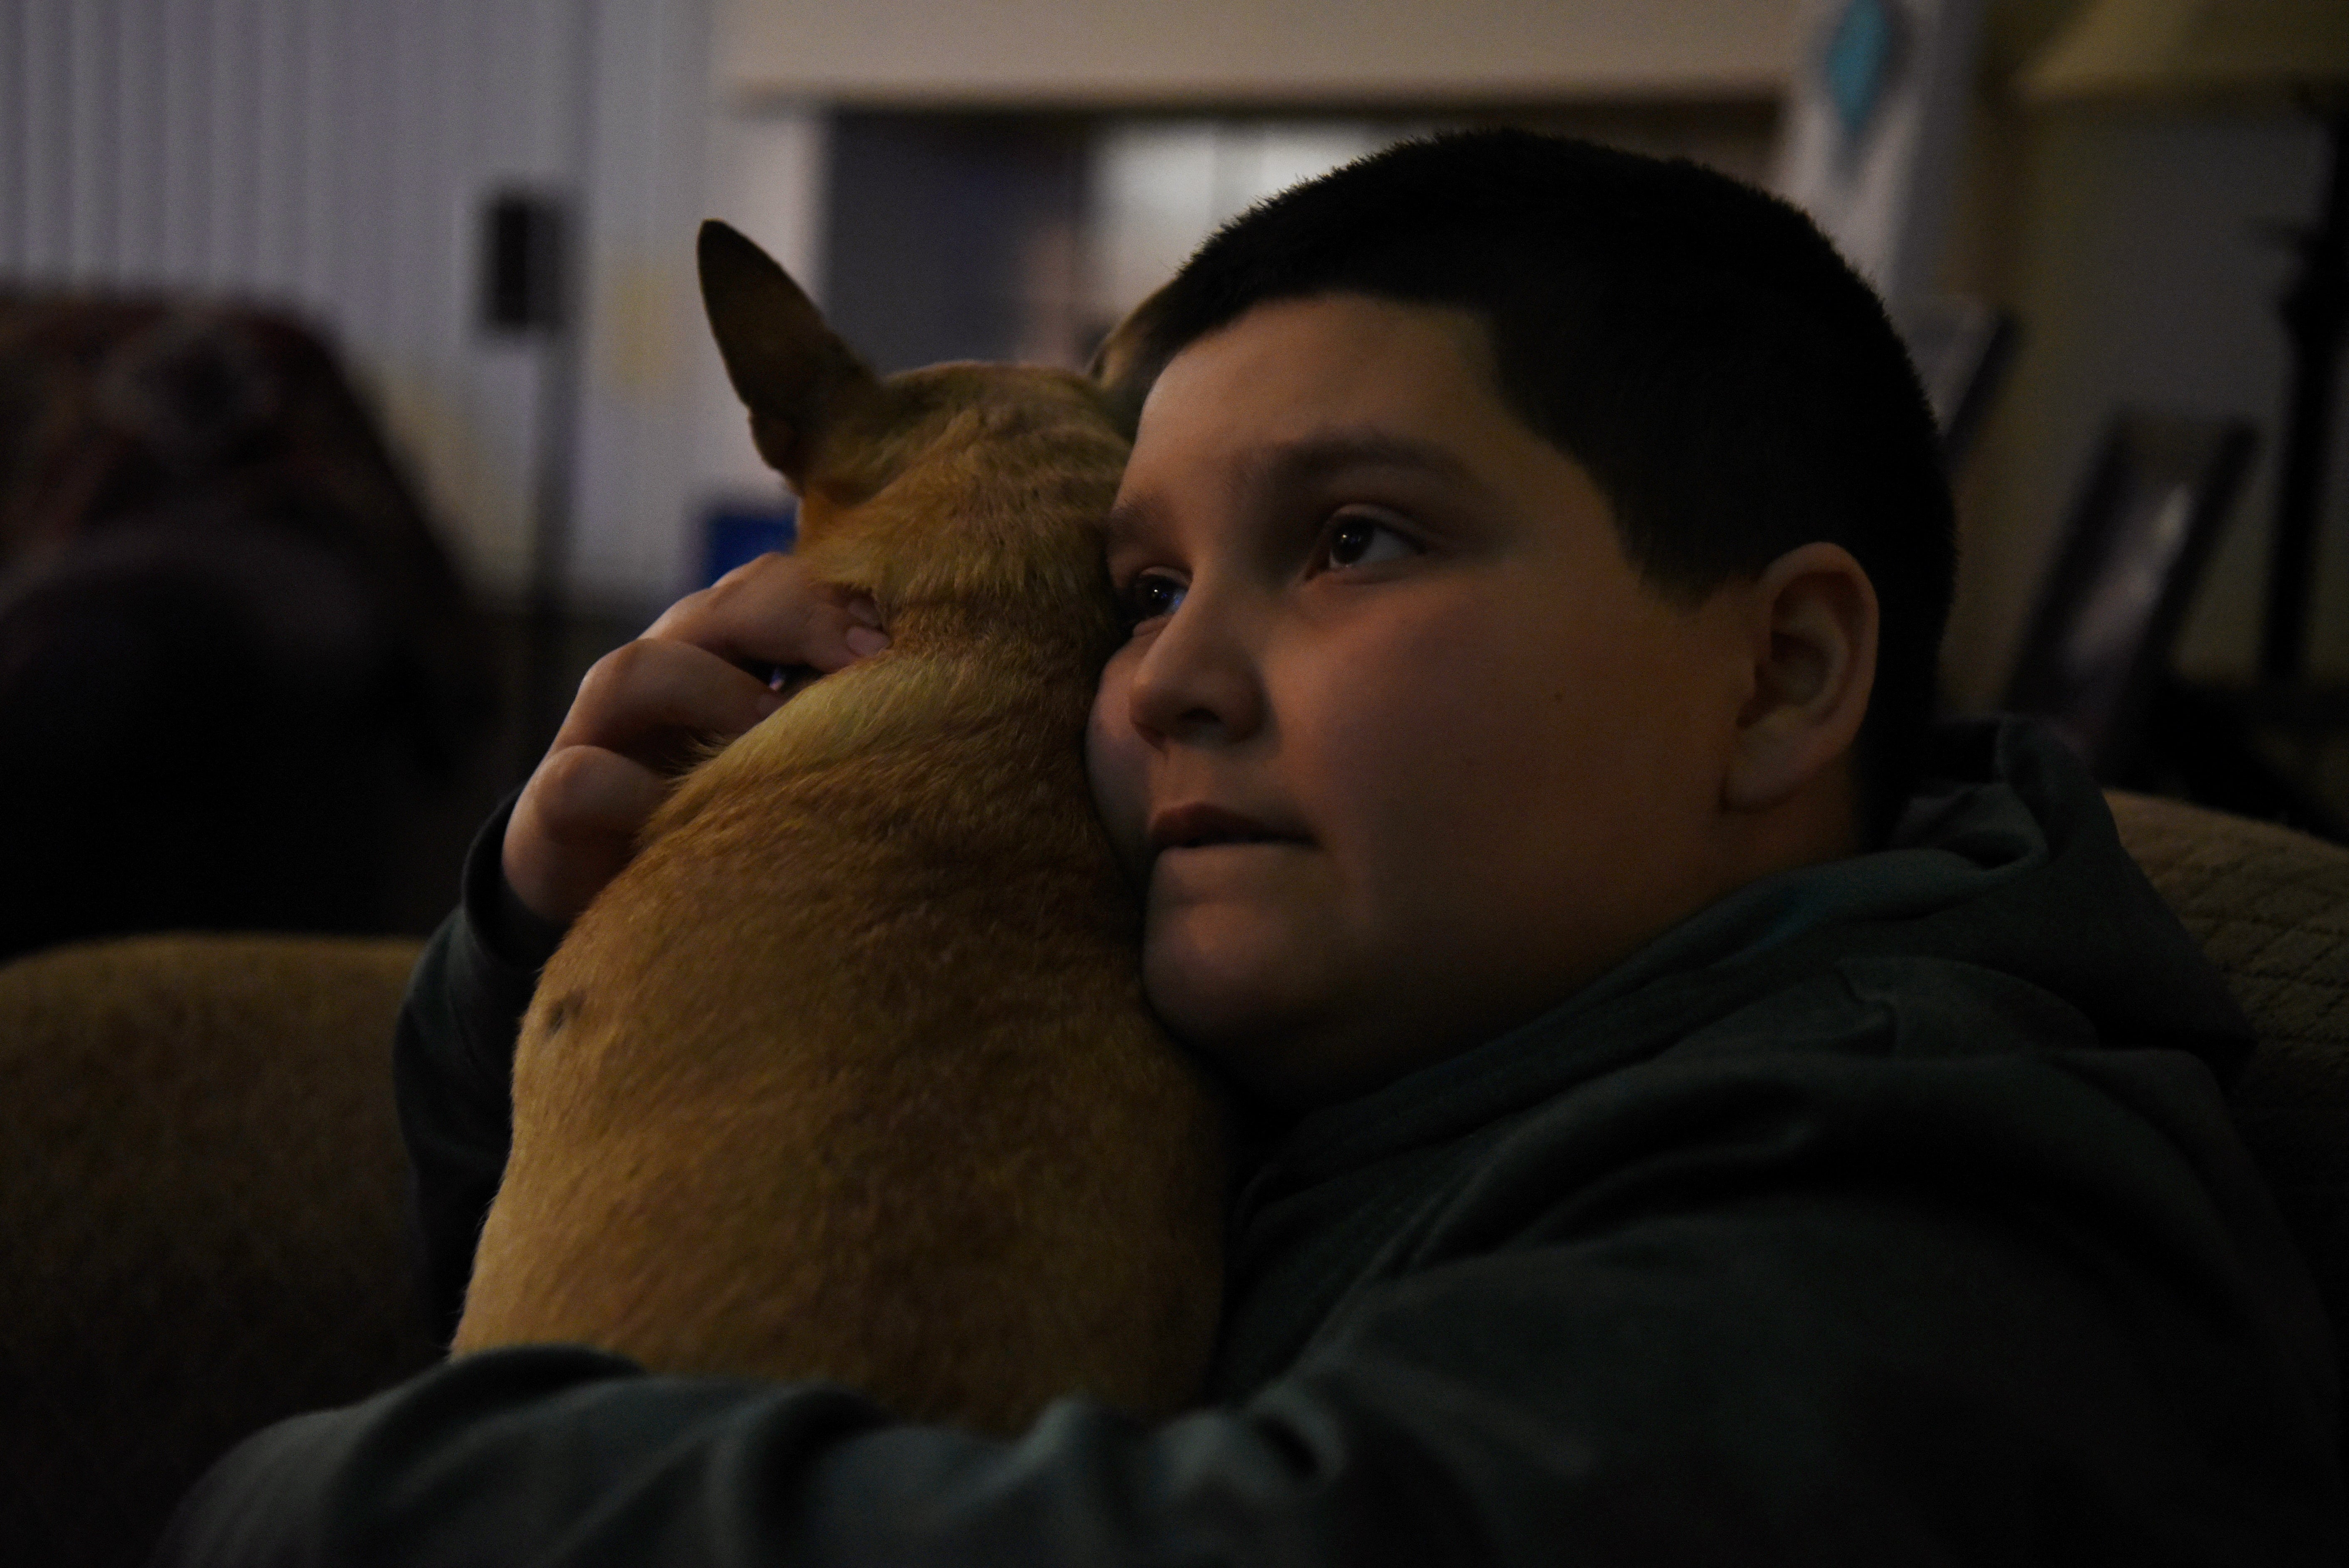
x=1887, y=1212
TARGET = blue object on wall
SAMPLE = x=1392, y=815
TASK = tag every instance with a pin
x=1862, y=57
x=732, y=534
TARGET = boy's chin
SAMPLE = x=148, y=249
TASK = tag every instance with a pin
x=1250, y=1026
x=1270, y=1036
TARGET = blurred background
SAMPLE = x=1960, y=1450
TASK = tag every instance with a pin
x=355, y=393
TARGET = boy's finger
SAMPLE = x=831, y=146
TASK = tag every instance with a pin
x=575, y=827
x=770, y=611
x=581, y=793
x=649, y=699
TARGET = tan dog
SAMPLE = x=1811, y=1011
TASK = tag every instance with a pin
x=848, y=1074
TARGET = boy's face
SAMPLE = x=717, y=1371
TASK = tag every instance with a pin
x=1401, y=747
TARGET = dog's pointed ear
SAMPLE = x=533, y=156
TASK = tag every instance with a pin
x=795, y=373
x=1129, y=360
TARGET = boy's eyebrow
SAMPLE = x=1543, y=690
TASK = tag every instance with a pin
x=1331, y=452
x=1290, y=464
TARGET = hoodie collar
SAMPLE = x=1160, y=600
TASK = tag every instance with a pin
x=2005, y=858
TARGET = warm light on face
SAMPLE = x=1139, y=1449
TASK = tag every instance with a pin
x=1401, y=747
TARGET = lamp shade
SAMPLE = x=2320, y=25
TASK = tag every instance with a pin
x=2156, y=50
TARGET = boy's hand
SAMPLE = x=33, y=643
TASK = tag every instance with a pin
x=645, y=706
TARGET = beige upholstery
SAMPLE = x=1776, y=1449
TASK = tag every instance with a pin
x=2270, y=908
x=202, y=1212
x=201, y=1189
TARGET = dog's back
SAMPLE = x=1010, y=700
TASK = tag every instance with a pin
x=849, y=1076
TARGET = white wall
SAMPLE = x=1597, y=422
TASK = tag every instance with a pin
x=1288, y=52
x=2140, y=252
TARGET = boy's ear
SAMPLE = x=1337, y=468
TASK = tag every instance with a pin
x=795, y=373
x=1812, y=636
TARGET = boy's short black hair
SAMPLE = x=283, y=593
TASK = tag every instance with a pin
x=1697, y=345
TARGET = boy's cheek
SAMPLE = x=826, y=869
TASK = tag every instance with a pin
x=1114, y=765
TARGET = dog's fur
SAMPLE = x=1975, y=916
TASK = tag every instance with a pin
x=848, y=1076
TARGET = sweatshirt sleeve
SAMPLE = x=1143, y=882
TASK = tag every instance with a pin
x=452, y=1064
x=1775, y=1381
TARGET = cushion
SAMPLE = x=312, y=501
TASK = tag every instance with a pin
x=2270, y=907
x=203, y=1215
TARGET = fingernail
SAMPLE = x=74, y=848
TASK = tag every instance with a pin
x=864, y=642
x=864, y=610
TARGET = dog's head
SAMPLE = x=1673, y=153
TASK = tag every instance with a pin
x=963, y=482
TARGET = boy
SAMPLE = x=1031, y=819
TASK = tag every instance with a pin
x=1708, y=1119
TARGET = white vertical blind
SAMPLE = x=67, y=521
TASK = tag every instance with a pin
x=331, y=157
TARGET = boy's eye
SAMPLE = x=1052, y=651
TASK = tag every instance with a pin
x=1151, y=595
x=1364, y=539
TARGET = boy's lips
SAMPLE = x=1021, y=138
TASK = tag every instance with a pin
x=1200, y=825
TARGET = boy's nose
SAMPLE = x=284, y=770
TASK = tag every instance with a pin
x=1196, y=681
